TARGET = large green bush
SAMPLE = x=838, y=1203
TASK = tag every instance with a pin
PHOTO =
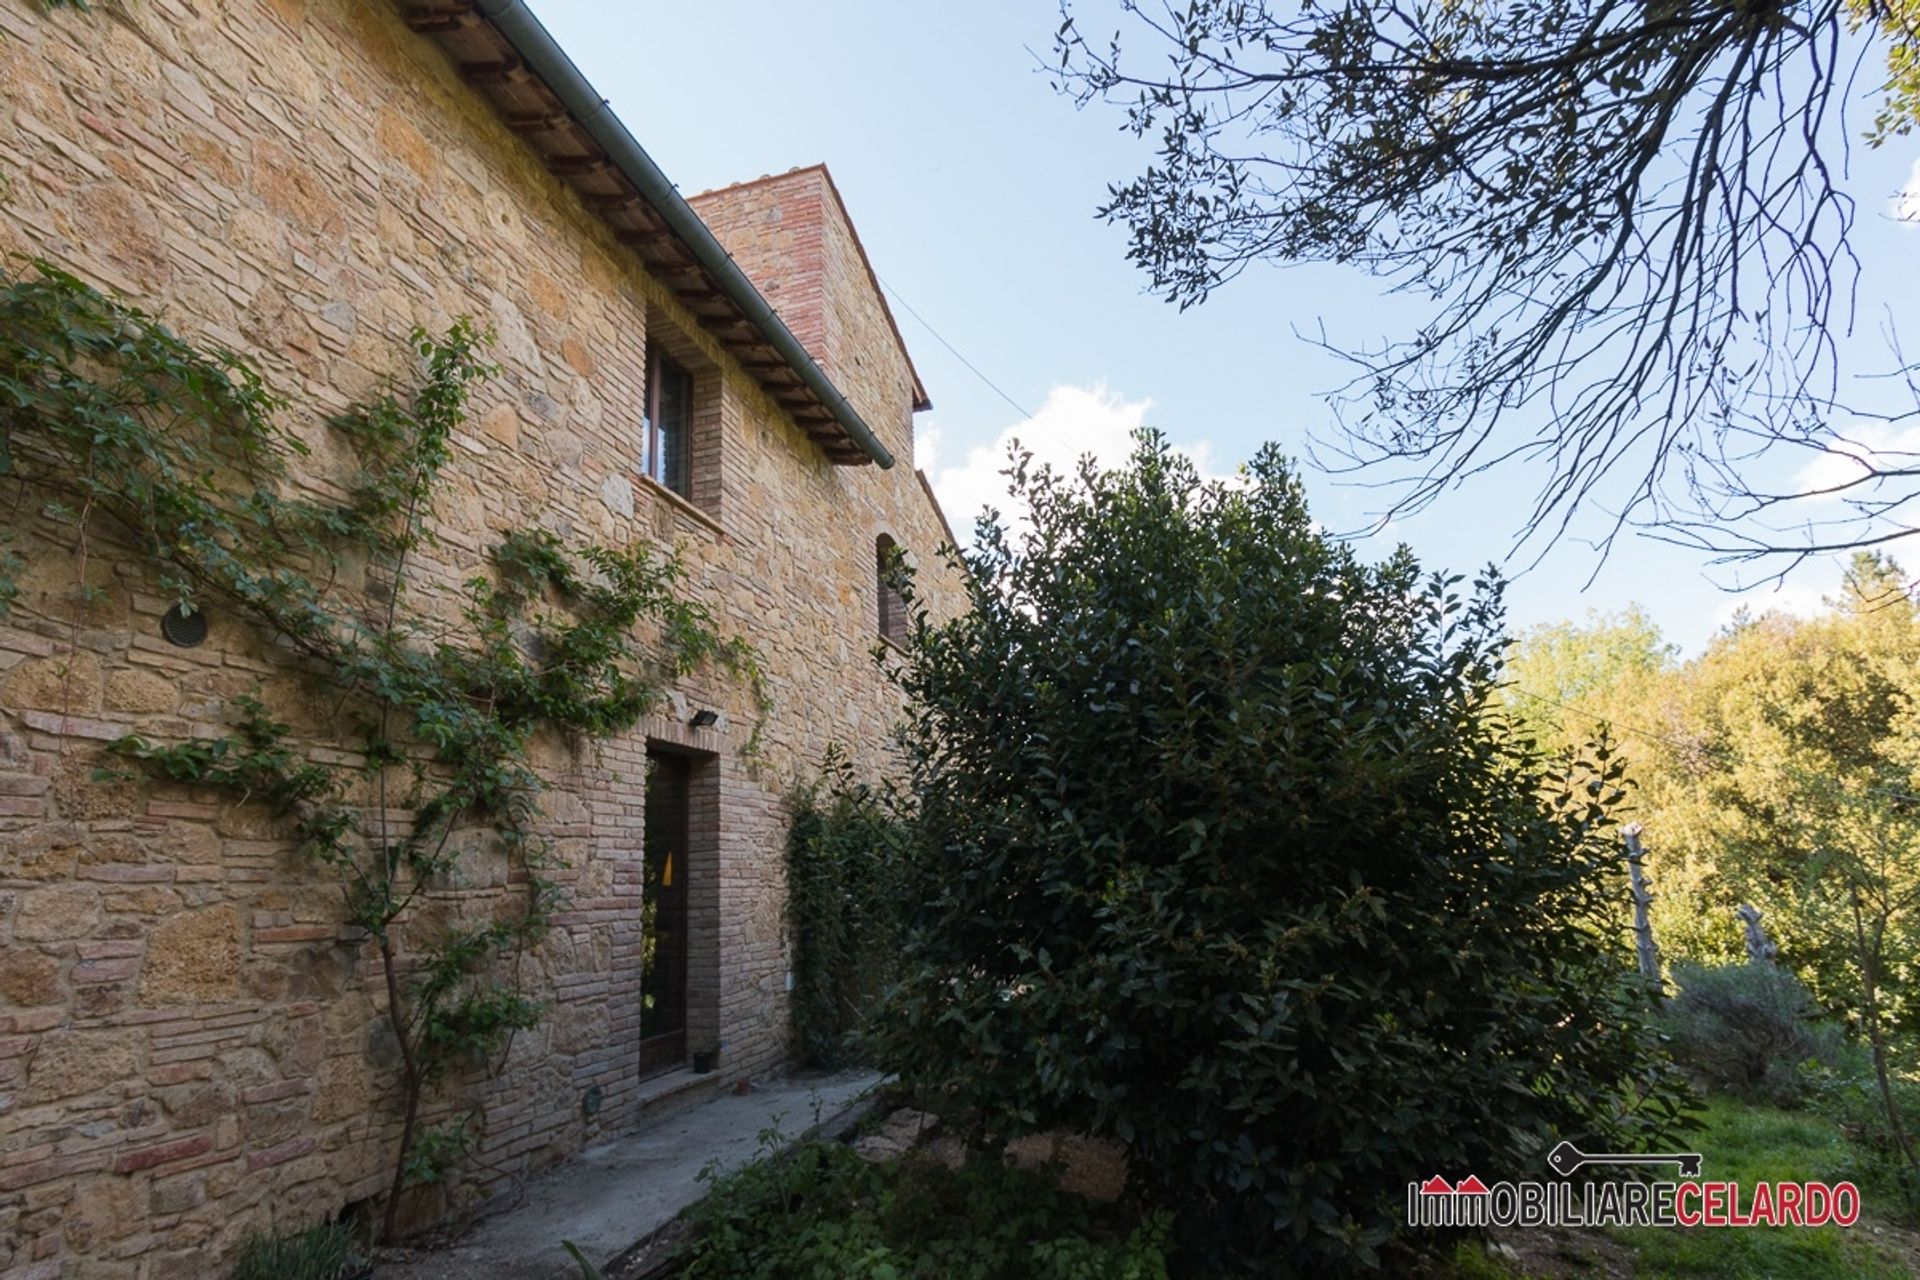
x=1228, y=855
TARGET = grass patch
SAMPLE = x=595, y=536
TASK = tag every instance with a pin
x=820, y=1211
x=1748, y=1144
x=1751, y=1143
x=1739, y=1142
x=324, y=1252
x=1760, y=1253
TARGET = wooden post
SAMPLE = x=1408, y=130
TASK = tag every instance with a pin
x=1643, y=943
x=1760, y=948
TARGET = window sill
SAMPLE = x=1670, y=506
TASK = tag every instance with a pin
x=682, y=505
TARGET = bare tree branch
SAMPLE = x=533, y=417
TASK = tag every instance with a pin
x=1628, y=219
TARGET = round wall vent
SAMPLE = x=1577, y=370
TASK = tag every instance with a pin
x=184, y=625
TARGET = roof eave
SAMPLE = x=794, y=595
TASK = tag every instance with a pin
x=501, y=49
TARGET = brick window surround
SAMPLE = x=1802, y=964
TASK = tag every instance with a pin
x=892, y=617
x=683, y=392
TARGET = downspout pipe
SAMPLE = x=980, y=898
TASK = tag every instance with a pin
x=550, y=62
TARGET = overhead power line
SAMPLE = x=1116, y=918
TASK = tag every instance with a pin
x=972, y=368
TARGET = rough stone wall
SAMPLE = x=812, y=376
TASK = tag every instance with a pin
x=189, y=1047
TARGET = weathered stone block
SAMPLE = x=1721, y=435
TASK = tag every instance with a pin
x=273, y=1122
x=82, y=797
x=292, y=1149
x=28, y=978
x=502, y=425
x=123, y=228
x=120, y=847
x=193, y=958
x=300, y=1044
x=65, y=913
x=185, y=842
x=99, y=1001
x=142, y=900
x=131, y=689
x=344, y=1089
x=177, y=1194
x=68, y=1063
x=98, y=971
x=102, y=1210
x=192, y=1106
x=44, y=853
x=67, y=682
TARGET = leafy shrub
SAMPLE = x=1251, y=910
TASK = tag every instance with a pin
x=324, y=1252
x=1226, y=854
x=845, y=908
x=1746, y=1028
x=1842, y=1087
x=820, y=1210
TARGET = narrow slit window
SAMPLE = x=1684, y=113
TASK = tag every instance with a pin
x=669, y=422
x=888, y=568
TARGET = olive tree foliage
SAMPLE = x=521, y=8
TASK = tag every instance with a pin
x=1864, y=893
x=1227, y=852
x=1558, y=671
x=1628, y=222
x=1776, y=768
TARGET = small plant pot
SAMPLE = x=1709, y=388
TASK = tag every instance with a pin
x=705, y=1060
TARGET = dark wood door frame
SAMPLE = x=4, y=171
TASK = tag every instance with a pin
x=664, y=914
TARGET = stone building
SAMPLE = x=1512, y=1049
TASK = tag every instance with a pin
x=189, y=1038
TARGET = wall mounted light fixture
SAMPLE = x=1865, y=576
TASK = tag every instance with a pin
x=705, y=718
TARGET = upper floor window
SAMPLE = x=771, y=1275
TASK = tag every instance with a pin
x=888, y=568
x=668, y=425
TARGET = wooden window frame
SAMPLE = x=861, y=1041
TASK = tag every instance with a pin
x=660, y=366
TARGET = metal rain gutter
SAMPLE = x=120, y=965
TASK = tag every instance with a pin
x=550, y=62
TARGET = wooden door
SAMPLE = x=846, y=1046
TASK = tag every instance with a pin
x=663, y=915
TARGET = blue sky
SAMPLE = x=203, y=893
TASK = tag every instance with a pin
x=973, y=186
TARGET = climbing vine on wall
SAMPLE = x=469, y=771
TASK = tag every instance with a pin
x=847, y=907
x=110, y=422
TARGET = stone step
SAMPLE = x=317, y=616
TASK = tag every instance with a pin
x=667, y=1095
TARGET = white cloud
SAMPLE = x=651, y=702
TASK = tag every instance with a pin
x=926, y=447
x=1073, y=422
x=1906, y=205
x=1863, y=446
